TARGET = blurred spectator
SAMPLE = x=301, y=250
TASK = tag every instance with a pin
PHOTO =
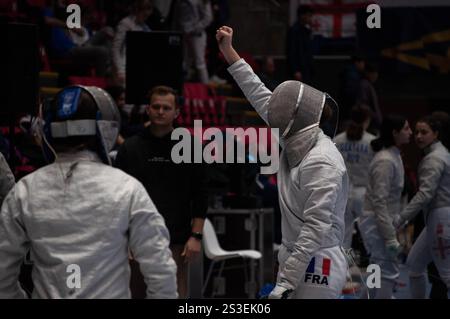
x=368, y=95
x=165, y=7
x=350, y=80
x=192, y=17
x=141, y=10
x=28, y=144
x=156, y=21
x=267, y=74
x=217, y=66
x=23, y=154
x=299, y=51
x=77, y=44
x=354, y=145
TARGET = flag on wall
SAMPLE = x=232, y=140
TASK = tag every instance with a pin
x=334, y=18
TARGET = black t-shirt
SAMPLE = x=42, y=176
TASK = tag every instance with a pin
x=179, y=191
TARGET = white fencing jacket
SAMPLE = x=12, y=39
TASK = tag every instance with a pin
x=79, y=211
x=384, y=190
x=357, y=157
x=434, y=182
x=313, y=194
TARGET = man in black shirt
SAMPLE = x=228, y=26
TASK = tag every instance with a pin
x=179, y=191
x=299, y=48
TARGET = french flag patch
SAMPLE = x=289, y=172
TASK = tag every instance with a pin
x=318, y=271
x=324, y=270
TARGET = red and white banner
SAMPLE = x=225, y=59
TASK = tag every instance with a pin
x=332, y=18
x=334, y=25
x=337, y=18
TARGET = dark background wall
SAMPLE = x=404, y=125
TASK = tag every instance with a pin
x=260, y=25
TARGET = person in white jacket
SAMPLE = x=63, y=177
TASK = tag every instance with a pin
x=79, y=217
x=192, y=17
x=382, y=202
x=312, y=182
x=354, y=145
x=141, y=10
x=433, y=198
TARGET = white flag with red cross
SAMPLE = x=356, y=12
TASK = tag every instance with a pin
x=335, y=18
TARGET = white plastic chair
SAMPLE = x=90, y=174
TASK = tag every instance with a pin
x=214, y=252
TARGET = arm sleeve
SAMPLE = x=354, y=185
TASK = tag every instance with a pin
x=149, y=243
x=430, y=173
x=382, y=176
x=14, y=245
x=322, y=181
x=255, y=91
x=7, y=179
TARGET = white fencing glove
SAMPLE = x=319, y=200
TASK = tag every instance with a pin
x=280, y=293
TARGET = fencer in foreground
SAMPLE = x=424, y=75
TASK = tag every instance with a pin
x=312, y=181
x=79, y=216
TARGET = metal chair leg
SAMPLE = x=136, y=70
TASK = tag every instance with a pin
x=245, y=269
x=247, y=281
x=219, y=274
x=222, y=264
x=211, y=267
